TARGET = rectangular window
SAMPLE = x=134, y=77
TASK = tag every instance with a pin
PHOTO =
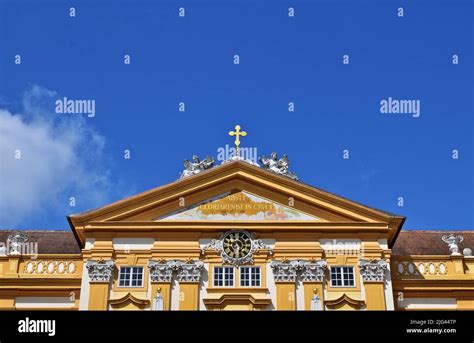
x=342, y=277
x=131, y=277
x=223, y=277
x=250, y=276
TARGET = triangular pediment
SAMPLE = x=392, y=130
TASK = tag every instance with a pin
x=233, y=193
x=238, y=206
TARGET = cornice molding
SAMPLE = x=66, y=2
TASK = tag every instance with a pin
x=218, y=225
x=435, y=284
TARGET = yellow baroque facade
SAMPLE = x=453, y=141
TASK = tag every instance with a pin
x=236, y=237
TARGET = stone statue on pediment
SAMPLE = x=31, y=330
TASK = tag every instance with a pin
x=196, y=166
x=278, y=166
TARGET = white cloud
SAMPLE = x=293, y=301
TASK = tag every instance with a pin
x=61, y=157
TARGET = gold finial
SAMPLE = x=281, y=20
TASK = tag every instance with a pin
x=237, y=133
x=158, y=290
x=315, y=291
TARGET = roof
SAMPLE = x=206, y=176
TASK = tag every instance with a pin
x=428, y=242
x=409, y=242
x=49, y=241
x=348, y=199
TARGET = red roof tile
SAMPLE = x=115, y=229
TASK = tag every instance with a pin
x=427, y=242
x=49, y=242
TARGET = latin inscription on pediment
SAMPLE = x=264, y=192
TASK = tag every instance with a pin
x=239, y=206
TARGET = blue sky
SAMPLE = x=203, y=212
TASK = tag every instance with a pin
x=190, y=59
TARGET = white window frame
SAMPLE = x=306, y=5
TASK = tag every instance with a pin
x=342, y=277
x=250, y=276
x=223, y=276
x=129, y=285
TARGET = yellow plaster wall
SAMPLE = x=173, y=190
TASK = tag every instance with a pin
x=286, y=296
x=98, y=296
x=375, y=296
x=466, y=303
x=189, y=296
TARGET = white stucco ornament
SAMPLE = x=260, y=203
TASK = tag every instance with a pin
x=373, y=271
x=453, y=242
x=236, y=247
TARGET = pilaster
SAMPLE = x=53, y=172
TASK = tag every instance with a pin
x=312, y=276
x=286, y=296
x=188, y=276
x=13, y=263
x=285, y=273
x=373, y=275
x=161, y=276
x=100, y=275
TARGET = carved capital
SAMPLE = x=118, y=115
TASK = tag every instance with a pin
x=100, y=271
x=373, y=271
x=288, y=271
x=313, y=271
x=160, y=272
x=190, y=271
x=285, y=271
x=187, y=271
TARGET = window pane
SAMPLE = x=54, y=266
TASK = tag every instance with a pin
x=124, y=277
x=131, y=277
x=137, y=276
x=255, y=276
x=245, y=276
x=218, y=277
x=337, y=276
x=228, y=276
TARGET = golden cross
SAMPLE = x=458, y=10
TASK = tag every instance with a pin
x=237, y=133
